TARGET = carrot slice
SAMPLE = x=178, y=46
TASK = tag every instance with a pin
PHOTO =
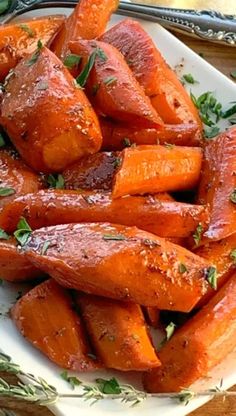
x=149, y=169
x=20, y=39
x=52, y=207
x=116, y=137
x=14, y=265
x=118, y=333
x=168, y=96
x=92, y=172
x=148, y=270
x=60, y=336
x=15, y=177
x=223, y=255
x=88, y=21
x=199, y=345
x=218, y=185
x=60, y=137
x=118, y=94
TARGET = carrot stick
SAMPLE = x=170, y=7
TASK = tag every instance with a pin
x=20, y=39
x=148, y=270
x=15, y=177
x=60, y=336
x=14, y=265
x=223, y=255
x=60, y=137
x=116, y=137
x=118, y=333
x=198, y=346
x=92, y=172
x=113, y=88
x=52, y=207
x=149, y=169
x=88, y=21
x=168, y=96
x=218, y=185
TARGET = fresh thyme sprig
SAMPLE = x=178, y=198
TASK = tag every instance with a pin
x=37, y=390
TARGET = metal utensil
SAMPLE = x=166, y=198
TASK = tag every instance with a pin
x=205, y=24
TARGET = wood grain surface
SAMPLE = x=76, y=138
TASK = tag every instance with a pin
x=224, y=59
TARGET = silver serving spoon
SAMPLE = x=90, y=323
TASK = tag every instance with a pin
x=205, y=24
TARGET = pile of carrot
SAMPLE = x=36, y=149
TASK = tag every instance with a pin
x=111, y=203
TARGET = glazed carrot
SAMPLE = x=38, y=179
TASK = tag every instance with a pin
x=160, y=83
x=20, y=39
x=15, y=177
x=60, y=336
x=118, y=333
x=218, y=185
x=157, y=168
x=223, y=255
x=121, y=263
x=88, y=21
x=116, y=137
x=92, y=172
x=200, y=344
x=14, y=265
x=153, y=316
x=48, y=139
x=52, y=207
x=118, y=94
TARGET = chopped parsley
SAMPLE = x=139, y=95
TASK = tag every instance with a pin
x=114, y=237
x=170, y=329
x=83, y=76
x=211, y=276
x=35, y=55
x=110, y=80
x=211, y=132
x=189, y=79
x=27, y=29
x=182, y=268
x=3, y=235
x=72, y=380
x=117, y=162
x=22, y=232
x=108, y=386
x=233, y=255
x=198, y=234
x=233, y=196
x=72, y=60
x=229, y=112
x=56, y=181
x=7, y=191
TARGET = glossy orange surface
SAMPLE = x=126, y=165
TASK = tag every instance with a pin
x=218, y=182
x=199, y=345
x=168, y=96
x=14, y=174
x=149, y=169
x=88, y=21
x=20, y=39
x=118, y=333
x=49, y=120
x=116, y=136
x=14, y=265
x=52, y=207
x=60, y=336
x=120, y=262
x=119, y=95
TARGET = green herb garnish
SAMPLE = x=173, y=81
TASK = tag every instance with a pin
x=211, y=275
x=233, y=255
x=3, y=235
x=27, y=29
x=233, y=74
x=117, y=162
x=189, y=78
x=95, y=89
x=4, y=5
x=233, y=196
x=22, y=232
x=45, y=247
x=56, y=181
x=82, y=78
x=2, y=141
x=72, y=380
x=35, y=55
x=170, y=329
x=198, y=234
x=211, y=132
x=230, y=112
x=42, y=86
x=108, y=386
x=110, y=80
x=114, y=237
x=72, y=60
x=182, y=268
x=7, y=191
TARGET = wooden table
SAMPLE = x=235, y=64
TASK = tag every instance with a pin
x=224, y=59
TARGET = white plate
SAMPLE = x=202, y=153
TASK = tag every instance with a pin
x=32, y=360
